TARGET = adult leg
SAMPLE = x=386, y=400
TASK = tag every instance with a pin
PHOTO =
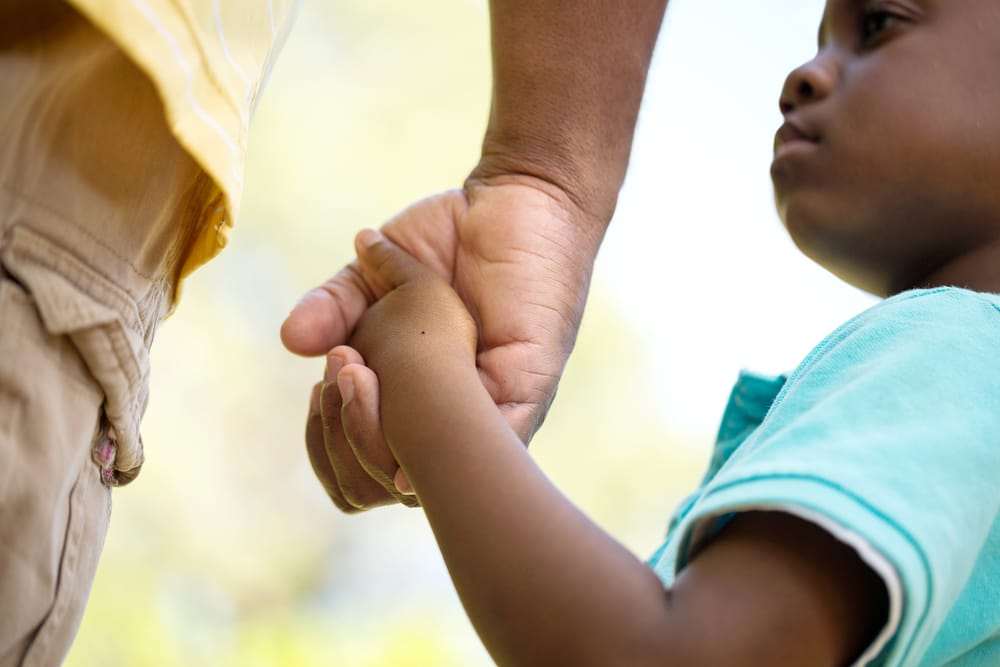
x=98, y=206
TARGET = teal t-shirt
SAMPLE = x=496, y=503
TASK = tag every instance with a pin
x=887, y=435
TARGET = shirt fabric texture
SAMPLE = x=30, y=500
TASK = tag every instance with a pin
x=886, y=435
x=209, y=60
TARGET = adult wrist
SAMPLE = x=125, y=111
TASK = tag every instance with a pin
x=580, y=184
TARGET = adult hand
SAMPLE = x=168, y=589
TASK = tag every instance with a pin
x=519, y=253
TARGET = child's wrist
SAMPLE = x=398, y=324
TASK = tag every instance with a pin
x=419, y=399
x=407, y=370
x=412, y=380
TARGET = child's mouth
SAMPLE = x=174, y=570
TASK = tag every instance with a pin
x=793, y=139
x=792, y=133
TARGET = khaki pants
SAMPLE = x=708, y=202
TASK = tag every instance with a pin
x=97, y=210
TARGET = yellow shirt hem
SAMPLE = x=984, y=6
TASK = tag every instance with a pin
x=199, y=112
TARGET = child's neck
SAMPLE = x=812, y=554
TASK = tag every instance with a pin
x=978, y=269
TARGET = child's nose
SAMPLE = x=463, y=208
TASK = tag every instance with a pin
x=810, y=82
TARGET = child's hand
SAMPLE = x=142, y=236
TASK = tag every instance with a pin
x=419, y=331
x=416, y=340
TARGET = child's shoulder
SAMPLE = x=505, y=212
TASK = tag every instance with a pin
x=919, y=308
x=946, y=299
x=926, y=347
x=941, y=325
x=928, y=315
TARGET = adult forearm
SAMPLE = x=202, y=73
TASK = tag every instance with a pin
x=568, y=78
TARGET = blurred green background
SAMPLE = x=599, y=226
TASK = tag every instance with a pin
x=227, y=552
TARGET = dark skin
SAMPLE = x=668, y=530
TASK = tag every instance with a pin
x=894, y=188
x=900, y=190
x=518, y=242
x=541, y=583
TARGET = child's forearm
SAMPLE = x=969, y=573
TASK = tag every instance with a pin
x=541, y=583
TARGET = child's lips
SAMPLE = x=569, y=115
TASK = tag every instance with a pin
x=791, y=132
x=793, y=138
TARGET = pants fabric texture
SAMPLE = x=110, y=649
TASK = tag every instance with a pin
x=97, y=201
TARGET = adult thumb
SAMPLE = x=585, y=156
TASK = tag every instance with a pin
x=387, y=262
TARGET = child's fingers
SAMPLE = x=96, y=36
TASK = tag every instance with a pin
x=385, y=262
x=402, y=483
x=363, y=427
x=356, y=485
x=316, y=449
x=339, y=357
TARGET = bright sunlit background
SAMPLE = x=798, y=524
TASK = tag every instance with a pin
x=226, y=550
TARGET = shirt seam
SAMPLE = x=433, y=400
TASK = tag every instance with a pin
x=859, y=500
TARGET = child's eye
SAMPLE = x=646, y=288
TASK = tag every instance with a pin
x=874, y=23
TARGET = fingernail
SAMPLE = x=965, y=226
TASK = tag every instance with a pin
x=346, y=385
x=402, y=483
x=334, y=363
x=369, y=237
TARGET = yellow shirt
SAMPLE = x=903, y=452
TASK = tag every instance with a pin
x=209, y=59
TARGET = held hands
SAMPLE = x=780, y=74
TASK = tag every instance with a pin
x=519, y=254
x=417, y=338
x=418, y=324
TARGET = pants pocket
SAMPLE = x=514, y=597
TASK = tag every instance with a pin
x=102, y=323
x=54, y=511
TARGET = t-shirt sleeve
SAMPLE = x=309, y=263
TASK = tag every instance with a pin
x=886, y=436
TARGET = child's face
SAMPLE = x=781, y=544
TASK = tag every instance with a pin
x=903, y=104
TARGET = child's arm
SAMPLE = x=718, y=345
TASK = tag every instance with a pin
x=541, y=583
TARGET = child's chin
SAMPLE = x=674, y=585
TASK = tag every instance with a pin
x=801, y=216
x=810, y=231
